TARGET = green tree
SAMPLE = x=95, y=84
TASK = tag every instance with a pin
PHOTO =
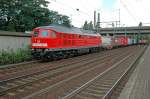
x=88, y=26
x=21, y=15
x=66, y=21
x=15, y=13
x=85, y=26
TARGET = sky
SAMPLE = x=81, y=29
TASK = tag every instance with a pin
x=131, y=11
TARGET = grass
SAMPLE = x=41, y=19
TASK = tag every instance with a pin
x=10, y=57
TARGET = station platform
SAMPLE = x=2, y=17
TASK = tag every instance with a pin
x=138, y=85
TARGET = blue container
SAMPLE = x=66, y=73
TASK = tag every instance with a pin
x=130, y=41
x=134, y=41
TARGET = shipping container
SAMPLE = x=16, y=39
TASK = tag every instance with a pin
x=106, y=42
x=130, y=41
x=123, y=40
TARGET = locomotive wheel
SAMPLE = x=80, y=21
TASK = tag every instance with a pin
x=49, y=56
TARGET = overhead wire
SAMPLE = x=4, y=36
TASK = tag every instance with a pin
x=74, y=9
x=131, y=7
x=67, y=9
x=84, y=7
x=130, y=13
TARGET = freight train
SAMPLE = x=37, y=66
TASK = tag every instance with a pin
x=57, y=42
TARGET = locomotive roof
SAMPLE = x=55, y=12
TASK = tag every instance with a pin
x=72, y=30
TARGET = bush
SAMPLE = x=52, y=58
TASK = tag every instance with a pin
x=9, y=57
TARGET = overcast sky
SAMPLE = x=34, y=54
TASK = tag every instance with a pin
x=131, y=11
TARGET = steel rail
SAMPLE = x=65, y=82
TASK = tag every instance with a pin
x=109, y=93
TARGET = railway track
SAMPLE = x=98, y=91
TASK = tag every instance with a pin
x=7, y=72
x=29, y=68
x=63, y=89
x=103, y=85
x=19, y=87
x=10, y=84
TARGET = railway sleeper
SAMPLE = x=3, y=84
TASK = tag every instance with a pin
x=93, y=91
x=90, y=95
x=81, y=97
x=98, y=88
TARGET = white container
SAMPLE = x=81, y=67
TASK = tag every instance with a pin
x=106, y=42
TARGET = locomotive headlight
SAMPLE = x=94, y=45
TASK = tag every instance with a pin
x=44, y=44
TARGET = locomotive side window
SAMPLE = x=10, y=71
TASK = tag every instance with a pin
x=53, y=35
x=44, y=33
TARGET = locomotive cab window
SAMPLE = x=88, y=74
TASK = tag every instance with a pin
x=35, y=34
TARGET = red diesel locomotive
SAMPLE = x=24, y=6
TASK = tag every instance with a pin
x=55, y=41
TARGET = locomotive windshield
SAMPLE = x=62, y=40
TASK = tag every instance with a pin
x=35, y=34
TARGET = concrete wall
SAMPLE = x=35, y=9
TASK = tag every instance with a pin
x=13, y=40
